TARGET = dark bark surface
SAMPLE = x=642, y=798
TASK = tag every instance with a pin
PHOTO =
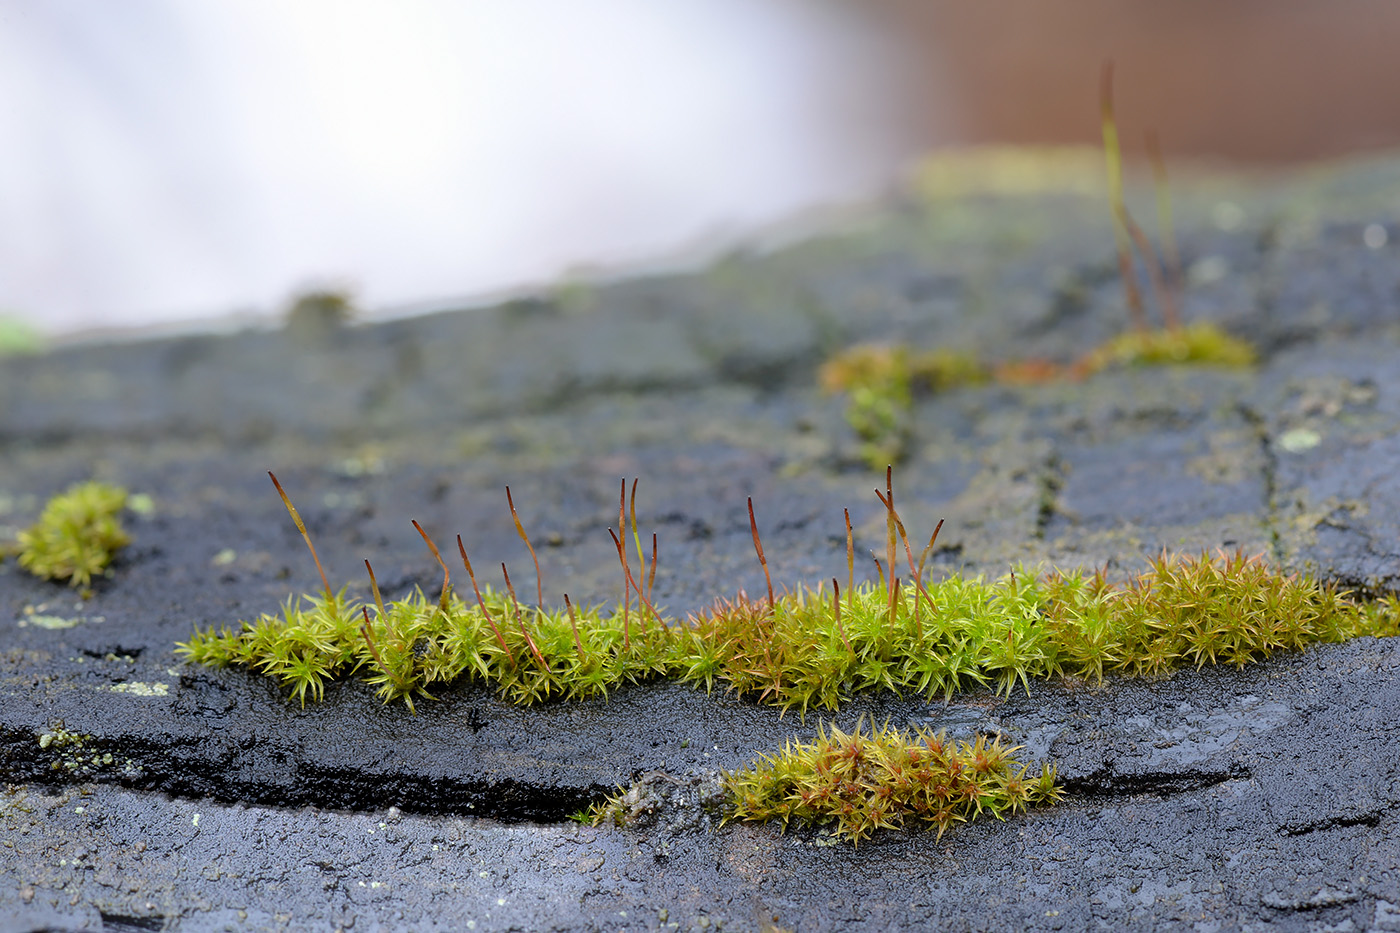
x=198, y=799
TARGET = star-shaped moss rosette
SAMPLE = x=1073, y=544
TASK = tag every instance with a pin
x=808, y=647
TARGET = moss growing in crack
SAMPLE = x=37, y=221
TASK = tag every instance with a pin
x=887, y=779
x=1200, y=344
x=863, y=781
x=810, y=647
x=882, y=382
x=77, y=534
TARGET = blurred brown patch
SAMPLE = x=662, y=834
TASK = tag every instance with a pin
x=1251, y=80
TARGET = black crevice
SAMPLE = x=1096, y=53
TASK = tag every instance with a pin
x=120, y=922
x=1106, y=783
x=1303, y=827
x=278, y=777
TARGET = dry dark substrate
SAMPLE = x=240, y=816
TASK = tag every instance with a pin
x=1264, y=796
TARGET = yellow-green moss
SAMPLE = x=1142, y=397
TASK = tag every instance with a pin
x=882, y=381
x=76, y=535
x=885, y=779
x=808, y=648
x=1199, y=344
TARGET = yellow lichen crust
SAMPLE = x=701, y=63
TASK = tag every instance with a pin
x=77, y=534
x=886, y=779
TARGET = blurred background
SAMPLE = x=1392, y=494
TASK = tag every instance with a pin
x=173, y=162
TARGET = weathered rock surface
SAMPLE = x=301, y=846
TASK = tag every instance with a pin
x=167, y=796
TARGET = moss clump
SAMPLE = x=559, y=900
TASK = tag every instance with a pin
x=884, y=779
x=76, y=535
x=415, y=643
x=807, y=648
x=945, y=637
x=1200, y=344
x=315, y=315
x=882, y=381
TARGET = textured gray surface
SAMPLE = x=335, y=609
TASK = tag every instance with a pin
x=1261, y=798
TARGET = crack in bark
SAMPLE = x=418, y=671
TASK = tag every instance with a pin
x=278, y=777
x=1050, y=482
x=1302, y=828
x=1258, y=424
x=1106, y=783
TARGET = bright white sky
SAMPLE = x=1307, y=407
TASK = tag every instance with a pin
x=166, y=160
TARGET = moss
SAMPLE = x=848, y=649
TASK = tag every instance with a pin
x=882, y=381
x=319, y=313
x=884, y=779
x=77, y=534
x=1200, y=344
x=811, y=647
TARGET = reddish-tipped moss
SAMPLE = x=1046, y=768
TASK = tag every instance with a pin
x=802, y=648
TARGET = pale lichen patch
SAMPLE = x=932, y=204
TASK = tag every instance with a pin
x=141, y=689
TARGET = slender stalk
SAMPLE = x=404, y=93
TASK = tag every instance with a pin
x=641, y=596
x=651, y=571
x=850, y=559
x=573, y=623
x=909, y=556
x=374, y=585
x=378, y=601
x=1113, y=156
x=836, y=611
x=520, y=530
x=520, y=621
x=446, y=576
x=928, y=549
x=636, y=538
x=919, y=574
x=374, y=652
x=622, y=558
x=1165, y=300
x=301, y=526
x=486, y=614
x=758, y=546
